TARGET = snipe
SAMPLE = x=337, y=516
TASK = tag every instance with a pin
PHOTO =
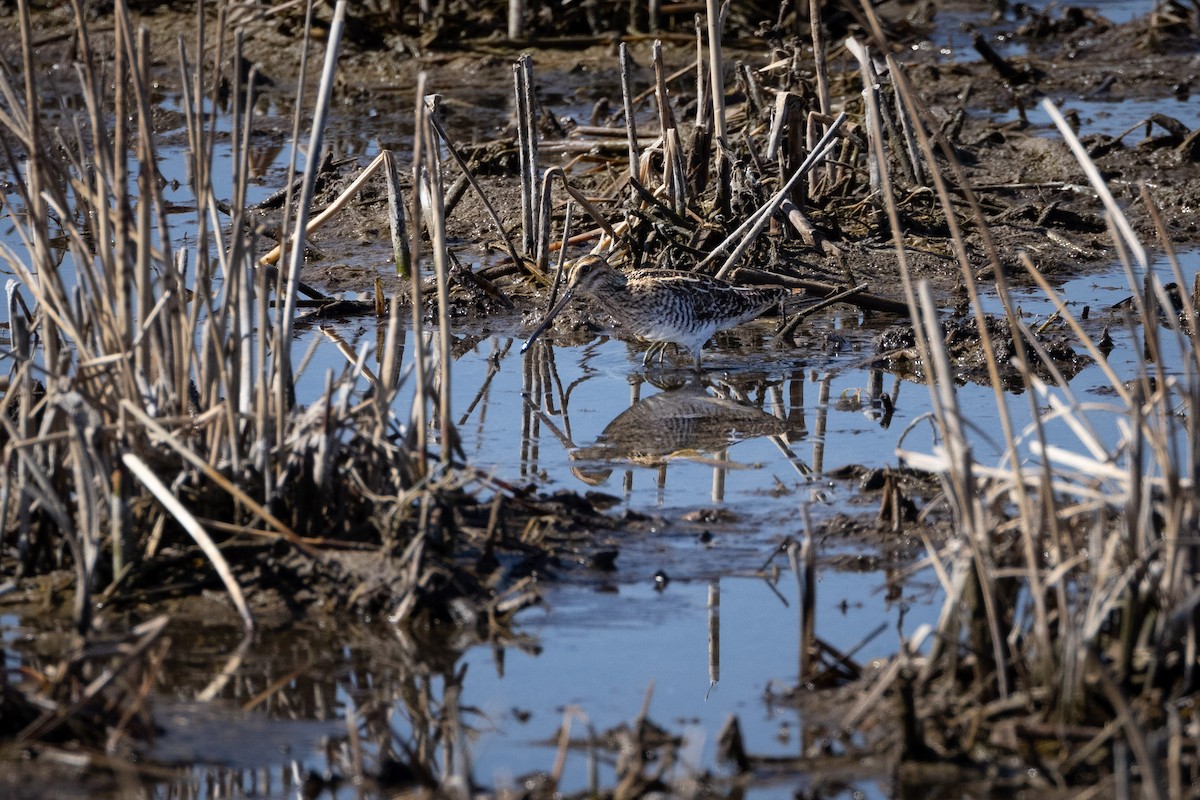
x=662, y=305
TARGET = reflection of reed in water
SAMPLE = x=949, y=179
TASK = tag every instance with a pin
x=682, y=422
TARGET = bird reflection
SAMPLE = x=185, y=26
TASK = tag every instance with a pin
x=686, y=422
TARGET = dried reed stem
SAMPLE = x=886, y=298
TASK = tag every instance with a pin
x=630, y=119
x=397, y=224
x=436, y=223
x=418, y=428
x=527, y=150
x=716, y=72
x=284, y=388
x=188, y=522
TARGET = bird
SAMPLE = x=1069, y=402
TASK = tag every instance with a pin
x=663, y=305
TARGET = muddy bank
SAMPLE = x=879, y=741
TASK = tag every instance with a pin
x=381, y=516
x=1030, y=189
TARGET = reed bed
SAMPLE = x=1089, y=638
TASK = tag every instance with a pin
x=151, y=405
x=1065, y=654
x=154, y=442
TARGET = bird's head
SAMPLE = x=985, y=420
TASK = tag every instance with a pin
x=587, y=275
x=591, y=273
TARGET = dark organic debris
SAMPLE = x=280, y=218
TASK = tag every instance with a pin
x=95, y=696
x=896, y=350
x=142, y=466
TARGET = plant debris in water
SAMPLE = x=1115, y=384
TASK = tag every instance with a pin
x=155, y=446
x=898, y=351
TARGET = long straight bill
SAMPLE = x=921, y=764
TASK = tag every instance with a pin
x=547, y=320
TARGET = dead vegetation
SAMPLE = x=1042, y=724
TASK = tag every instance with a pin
x=1064, y=653
x=155, y=441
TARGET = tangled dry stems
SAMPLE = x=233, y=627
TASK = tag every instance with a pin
x=1067, y=639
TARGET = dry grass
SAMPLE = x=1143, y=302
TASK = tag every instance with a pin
x=150, y=413
x=1067, y=639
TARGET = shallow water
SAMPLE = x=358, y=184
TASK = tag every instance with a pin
x=1127, y=119
x=603, y=645
x=554, y=417
x=953, y=29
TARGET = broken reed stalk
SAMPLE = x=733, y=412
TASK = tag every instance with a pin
x=542, y=261
x=436, y=224
x=243, y=286
x=516, y=20
x=397, y=218
x=703, y=107
x=284, y=387
x=784, y=101
x=630, y=119
x=911, y=107
x=417, y=429
x=716, y=74
x=527, y=150
x=820, y=65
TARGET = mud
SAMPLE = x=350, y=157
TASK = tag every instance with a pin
x=1029, y=186
x=1032, y=193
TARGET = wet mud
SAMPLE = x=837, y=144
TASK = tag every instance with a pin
x=1027, y=196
